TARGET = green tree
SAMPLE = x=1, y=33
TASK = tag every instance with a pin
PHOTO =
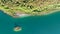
x=36, y=10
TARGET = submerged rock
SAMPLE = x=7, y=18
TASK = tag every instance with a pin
x=17, y=28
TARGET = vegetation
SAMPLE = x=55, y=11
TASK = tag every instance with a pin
x=36, y=10
x=6, y=7
x=28, y=6
x=25, y=1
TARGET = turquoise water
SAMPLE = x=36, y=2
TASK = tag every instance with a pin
x=49, y=24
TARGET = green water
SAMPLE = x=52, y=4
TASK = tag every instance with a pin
x=49, y=24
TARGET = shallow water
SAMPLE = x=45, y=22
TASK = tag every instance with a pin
x=49, y=24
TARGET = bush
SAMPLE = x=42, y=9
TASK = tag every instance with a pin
x=36, y=10
x=25, y=1
x=30, y=6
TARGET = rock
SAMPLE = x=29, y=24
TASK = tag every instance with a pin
x=17, y=29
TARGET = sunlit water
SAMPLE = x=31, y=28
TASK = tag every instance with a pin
x=49, y=24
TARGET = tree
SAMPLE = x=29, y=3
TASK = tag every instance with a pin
x=4, y=1
x=6, y=7
x=30, y=6
x=25, y=1
x=36, y=10
x=17, y=3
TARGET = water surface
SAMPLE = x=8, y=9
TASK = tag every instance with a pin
x=49, y=24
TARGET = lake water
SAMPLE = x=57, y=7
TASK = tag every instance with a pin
x=49, y=24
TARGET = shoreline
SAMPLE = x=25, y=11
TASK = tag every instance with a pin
x=42, y=14
x=18, y=11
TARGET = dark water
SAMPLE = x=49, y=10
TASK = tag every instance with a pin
x=49, y=24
